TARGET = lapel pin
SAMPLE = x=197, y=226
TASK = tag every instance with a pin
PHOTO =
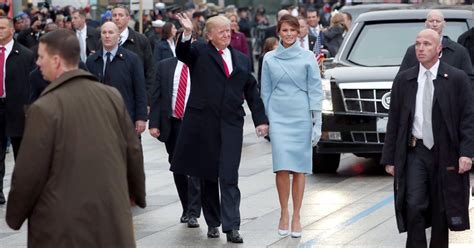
x=132, y=40
x=16, y=51
x=121, y=55
x=445, y=75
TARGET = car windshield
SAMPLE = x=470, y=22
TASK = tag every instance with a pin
x=385, y=44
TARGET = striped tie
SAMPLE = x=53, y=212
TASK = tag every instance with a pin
x=183, y=82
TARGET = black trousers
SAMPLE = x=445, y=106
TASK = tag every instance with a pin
x=16, y=142
x=228, y=210
x=188, y=187
x=423, y=201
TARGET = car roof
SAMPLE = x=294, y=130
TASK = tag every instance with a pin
x=407, y=14
x=375, y=6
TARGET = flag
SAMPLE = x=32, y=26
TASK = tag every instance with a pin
x=317, y=50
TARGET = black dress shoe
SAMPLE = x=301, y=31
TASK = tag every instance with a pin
x=234, y=237
x=184, y=219
x=2, y=198
x=213, y=232
x=193, y=222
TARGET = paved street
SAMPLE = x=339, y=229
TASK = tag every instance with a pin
x=351, y=209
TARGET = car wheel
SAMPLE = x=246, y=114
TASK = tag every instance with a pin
x=325, y=163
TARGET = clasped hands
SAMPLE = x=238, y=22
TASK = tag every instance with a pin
x=261, y=130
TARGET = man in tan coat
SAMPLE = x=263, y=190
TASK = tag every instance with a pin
x=80, y=161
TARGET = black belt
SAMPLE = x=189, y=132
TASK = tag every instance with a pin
x=413, y=141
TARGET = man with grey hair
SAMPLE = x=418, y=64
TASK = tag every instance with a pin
x=452, y=53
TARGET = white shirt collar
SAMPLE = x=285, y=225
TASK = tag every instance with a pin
x=83, y=30
x=433, y=70
x=124, y=35
x=9, y=47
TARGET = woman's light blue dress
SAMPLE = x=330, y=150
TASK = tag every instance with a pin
x=291, y=89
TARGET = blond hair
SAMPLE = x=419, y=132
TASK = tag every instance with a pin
x=216, y=21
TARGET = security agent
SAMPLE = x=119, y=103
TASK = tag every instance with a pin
x=431, y=111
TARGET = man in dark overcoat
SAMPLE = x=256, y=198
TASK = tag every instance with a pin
x=124, y=71
x=210, y=141
x=451, y=53
x=17, y=64
x=80, y=161
x=429, y=145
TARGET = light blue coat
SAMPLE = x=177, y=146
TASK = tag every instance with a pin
x=290, y=90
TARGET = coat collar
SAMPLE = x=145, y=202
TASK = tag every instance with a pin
x=218, y=58
x=131, y=35
x=288, y=53
x=66, y=77
x=120, y=54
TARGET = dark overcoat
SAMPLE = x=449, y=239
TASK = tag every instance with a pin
x=138, y=43
x=467, y=40
x=162, y=51
x=161, y=105
x=79, y=164
x=452, y=54
x=18, y=66
x=127, y=76
x=210, y=140
x=453, y=126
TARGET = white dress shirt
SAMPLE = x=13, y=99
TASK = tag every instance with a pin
x=305, y=44
x=82, y=34
x=177, y=75
x=123, y=36
x=8, y=50
x=418, y=122
x=172, y=46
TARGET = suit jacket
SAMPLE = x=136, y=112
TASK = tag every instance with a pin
x=452, y=54
x=333, y=39
x=139, y=44
x=48, y=185
x=28, y=38
x=127, y=76
x=92, y=40
x=161, y=105
x=453, y=120
x=270, y=32
x=210, y=140
x=162, y=51
x=312, y=41
x=18, y=66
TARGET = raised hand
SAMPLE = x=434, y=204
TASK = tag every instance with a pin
x=185, y=23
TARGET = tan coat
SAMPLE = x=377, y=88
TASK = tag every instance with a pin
x=79, y=164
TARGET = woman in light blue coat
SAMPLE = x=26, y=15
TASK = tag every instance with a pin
x=292, y=94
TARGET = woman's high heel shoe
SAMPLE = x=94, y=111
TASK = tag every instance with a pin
x=296, y=235
x=283, y=233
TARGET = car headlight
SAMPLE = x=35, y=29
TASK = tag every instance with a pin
x=327, y=99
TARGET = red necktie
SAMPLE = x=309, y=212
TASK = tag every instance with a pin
x=183, y=82
x=226, y=69
x=2, y=65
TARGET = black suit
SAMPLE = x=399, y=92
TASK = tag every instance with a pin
x=312, y=41
x=210, y=141
x=92, y=40
x=28, y=38
x=126, y=76
x=189, y=189
x=18, y=66
x=139, y=44
x=270, y=32
x=452, y=54
x=162, y=51
x=428, y=189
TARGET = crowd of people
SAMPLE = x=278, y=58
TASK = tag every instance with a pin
x=94, y=85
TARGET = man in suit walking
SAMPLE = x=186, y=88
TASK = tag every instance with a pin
x=122, y=69
x=451, y=53
x=429, y=145
x=16, y=63
x=135, y=42
x=88, y=37
x=170, y=95
x=210, y=141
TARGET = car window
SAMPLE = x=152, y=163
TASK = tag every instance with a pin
x=385, y=44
